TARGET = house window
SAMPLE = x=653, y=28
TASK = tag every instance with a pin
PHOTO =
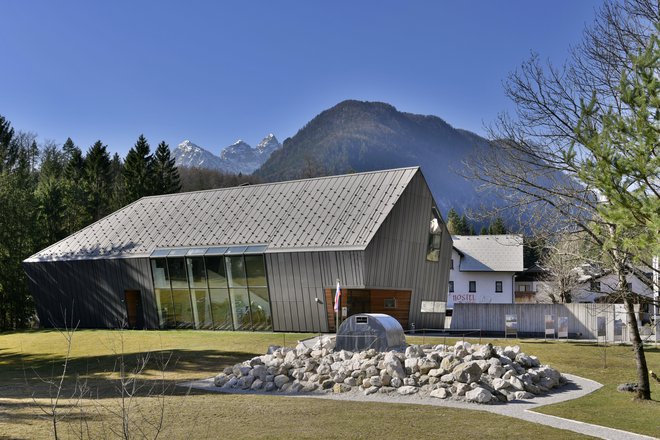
x=498, y=286
x=629, y=286
x=473, y=286
x=389, y=303
x=451, y=264
x=595, y=286
x=451, y=286
x=435, y=236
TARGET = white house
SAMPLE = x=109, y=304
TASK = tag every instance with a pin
x=592, y=285
x=594, y=289
x=483, y=268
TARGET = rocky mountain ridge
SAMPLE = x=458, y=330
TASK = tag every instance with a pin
x=238, y=157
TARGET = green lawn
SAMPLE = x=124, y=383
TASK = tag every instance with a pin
x=26, y=356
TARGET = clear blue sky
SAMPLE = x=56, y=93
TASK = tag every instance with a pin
x=213, y=71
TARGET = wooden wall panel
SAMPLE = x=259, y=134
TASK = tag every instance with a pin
x=402, y=299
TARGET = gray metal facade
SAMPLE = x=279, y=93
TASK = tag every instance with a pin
x=396, y=257
x=90, y=293
x=370, y=230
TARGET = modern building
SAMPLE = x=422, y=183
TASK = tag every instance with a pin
x=483, y=267
x=256, y=257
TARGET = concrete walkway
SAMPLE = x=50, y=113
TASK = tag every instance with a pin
x=521, y=409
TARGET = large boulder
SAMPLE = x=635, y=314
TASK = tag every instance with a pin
x=394, y=368
x=407, y=390
x=440, y=393
x=478, y=395
x=448, y=363
x=280, y=380
x=467, y=372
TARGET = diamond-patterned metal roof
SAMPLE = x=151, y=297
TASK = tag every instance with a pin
x=335, y=212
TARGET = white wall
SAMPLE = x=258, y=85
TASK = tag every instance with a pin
x=583, y=292
x=485, y=286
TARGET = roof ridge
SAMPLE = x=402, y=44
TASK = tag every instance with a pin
x=388, y=170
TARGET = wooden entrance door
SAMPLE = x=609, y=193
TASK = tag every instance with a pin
x=133, y=301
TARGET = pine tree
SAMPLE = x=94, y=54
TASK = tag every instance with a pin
x=98, y=181
x=76, y=214
x=138, y=171
x=166, y=174
x=7, y=147
x=464, y=226
x=453, y=222
x=67, y=148
x=118, y=198
x=497, y=227
x=50, y=195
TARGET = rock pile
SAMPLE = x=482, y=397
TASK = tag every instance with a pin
x=474, y=373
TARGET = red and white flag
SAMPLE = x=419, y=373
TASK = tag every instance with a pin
x=337, y=298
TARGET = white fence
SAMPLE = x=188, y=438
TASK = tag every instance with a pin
x=583, y=319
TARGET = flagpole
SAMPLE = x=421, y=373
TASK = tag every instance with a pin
x=337, y=306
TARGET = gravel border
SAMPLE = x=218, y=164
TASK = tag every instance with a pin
x=576, y=387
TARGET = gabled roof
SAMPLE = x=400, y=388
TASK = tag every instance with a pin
x=489, y=253
x=326, y=213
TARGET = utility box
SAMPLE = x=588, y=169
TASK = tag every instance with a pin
x=371, y=330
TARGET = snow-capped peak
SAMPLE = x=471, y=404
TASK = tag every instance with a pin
x=238, y=157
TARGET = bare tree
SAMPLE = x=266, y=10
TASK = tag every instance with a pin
x=537, y=155
x=559, y=263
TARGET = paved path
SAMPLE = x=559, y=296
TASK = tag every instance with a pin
x=520, y=409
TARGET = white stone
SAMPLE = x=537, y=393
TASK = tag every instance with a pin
x=468, y=372
x=479, y=395
x=516, y=383
x=407, y=390
x=411, y=365
x=500, y=384
x=440, y=393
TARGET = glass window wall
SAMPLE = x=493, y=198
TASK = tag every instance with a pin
x=202, y=309
x=217, y=272
x=260, y=308
x=182, y=308
x=165, y=308
x=255, y=270
x=159, y=271
x=221, y=309
x=177, y=270
x=216, y=292
x=196, y=272
x=240, y=308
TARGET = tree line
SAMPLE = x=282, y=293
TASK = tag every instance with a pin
x=461, y=225
x=48, y=192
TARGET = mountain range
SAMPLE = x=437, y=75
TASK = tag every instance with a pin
x=355, y=136
x=366, y=136
x=237, y=158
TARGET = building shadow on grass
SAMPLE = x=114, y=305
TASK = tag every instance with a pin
x=26, y=376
